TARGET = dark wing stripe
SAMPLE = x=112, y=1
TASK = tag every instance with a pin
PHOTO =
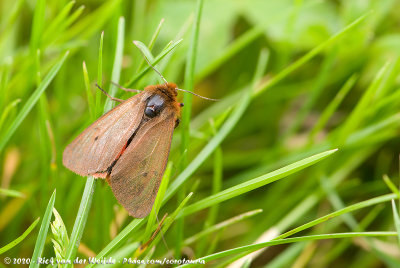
x=136, y=177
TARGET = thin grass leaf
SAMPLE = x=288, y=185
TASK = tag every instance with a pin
x=99, y=74
x=119, y=239
x=37, y=25
x=169, y=220
x=11, y=193
x=255, y=247
x=294, y=66
x=157, y=59
x=7, y=110
x=367, y=203
x=396, y=220
x=157, y=202
x=116, y=71
x=80, y=220
x=145, y=50
x=255, y=183
x=240, y=43
x=331, y=108
x=31, y=102
x=222, y=225
x=88, y=25
x=44, y=228
x=391, y=185
x=89, y=93
x=152, y=42
x=20, y=238
x=55, y=24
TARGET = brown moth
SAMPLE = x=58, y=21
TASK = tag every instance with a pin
x=129, y=147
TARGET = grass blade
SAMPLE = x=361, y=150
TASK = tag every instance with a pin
x=80, y=220
x=116, y=71
x=256, y=183
x=31, y=102
x=309, y=55
x=44, y=228
x=13, y=193
x=255, y=247
x=20, y=238
x=396, y=220
x=157, y=59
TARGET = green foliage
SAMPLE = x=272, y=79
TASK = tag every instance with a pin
x=295, y=79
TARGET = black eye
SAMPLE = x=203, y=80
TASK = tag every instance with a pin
x=150, y=112
x=155, y=105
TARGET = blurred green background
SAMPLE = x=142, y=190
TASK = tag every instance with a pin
x=319, y=91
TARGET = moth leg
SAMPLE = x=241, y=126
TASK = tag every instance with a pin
x=126, y=89
x=108, y=95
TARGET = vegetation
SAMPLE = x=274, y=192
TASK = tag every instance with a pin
x=295, y=166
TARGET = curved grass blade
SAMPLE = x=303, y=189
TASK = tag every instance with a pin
x=7, y=110
x=31, y=102
x=80, y=220
x=20, y=238
x=221, y=225
x=119, y=239
x=157, y=59
x=116, y=71
x=44, y=228
x=255, y=183
x=13, y=193
x=396, y=220
x=255, y=247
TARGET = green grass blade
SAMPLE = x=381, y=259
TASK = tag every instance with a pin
x=391, y=185
x=239, y=44
x=294, y=66
x=157, y=59
x=220, y=226
x=256, y=183
x=255, y=247
x=189, y=80
x=116, y=71
x=357, y=116
x=20, y=238
x=152, y=42
x=7, y=110
x=37, y=25
x=44, y=228
x=31, y=102
x=396, y=220
x=331, y=108
x=12, y=193
x=99, y=74
x=80, y=220
x=367, y=203
x=169, y=220
x=119, y=239
x=158, y=201
x=89, y=93
x=145, y=50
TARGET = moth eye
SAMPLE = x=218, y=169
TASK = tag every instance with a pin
x=150, y=112
x=155, y=105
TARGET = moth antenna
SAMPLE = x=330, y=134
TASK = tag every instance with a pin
x=124, y=88
x=148, y=62
x=108, y=95
x=197, y=95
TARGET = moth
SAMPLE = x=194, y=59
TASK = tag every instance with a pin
x=129, y=145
